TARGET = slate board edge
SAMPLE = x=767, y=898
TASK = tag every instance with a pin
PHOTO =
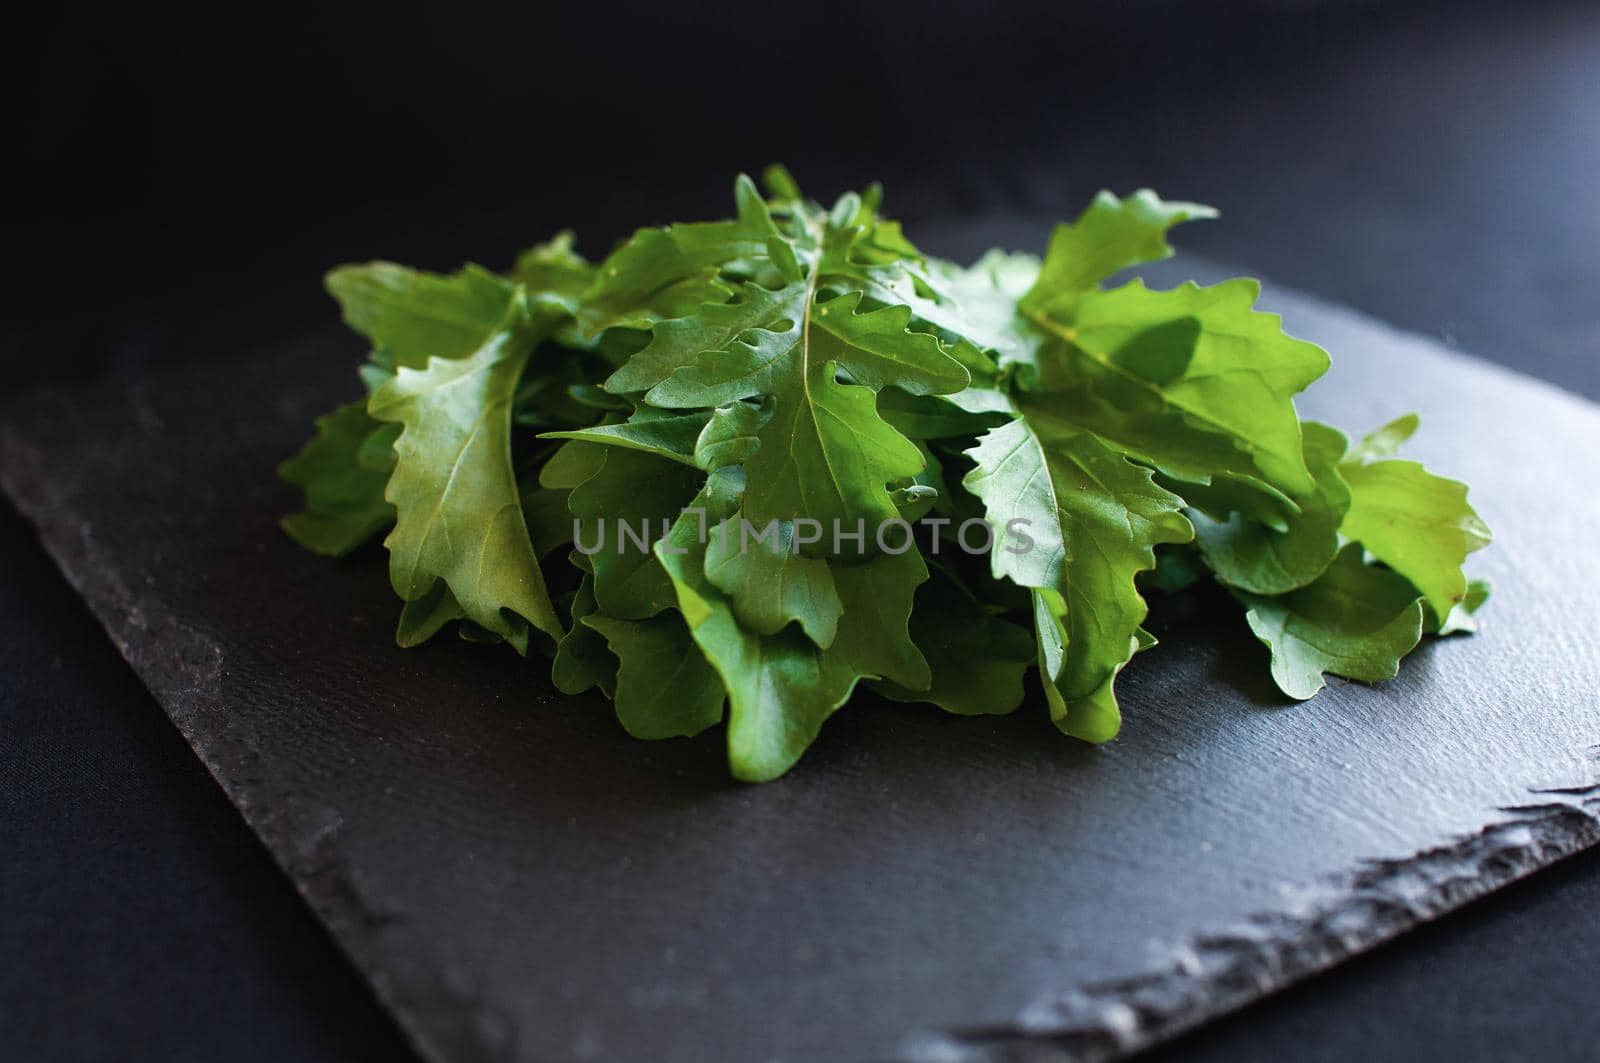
x=1223, y=969
x=1210, y=974
x=428, y=996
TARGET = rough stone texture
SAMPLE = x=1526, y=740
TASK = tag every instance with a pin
x=521, y=881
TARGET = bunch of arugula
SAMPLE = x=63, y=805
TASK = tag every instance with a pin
x=796, y=369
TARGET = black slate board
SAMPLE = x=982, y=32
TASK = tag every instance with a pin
x=521, y=881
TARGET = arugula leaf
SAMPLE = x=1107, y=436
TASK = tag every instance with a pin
x=620, y=512
x=1463, y=616
x=555, y=271
x=731, y=435
x=344, y=495
x=987, y=293
x=1110, y=235
x=1386, y=440
x=825, y=453
x=572, y=464
x=548, y=518
x=666, y=273
x=583, y=659
x=1178, y=567
x=460, y=547
x=1355, y=620
x=677, y=343
x=923, y=417
x=977, y=658
x=768, y=583
x=665, y=435
x=1203, y=353
x=1095, y=519
x=413, y=316
x=719, y=436
x=1247, y=554
x=1096, y=716
x=665, y=688
x=1418, y=524
x=781, y=688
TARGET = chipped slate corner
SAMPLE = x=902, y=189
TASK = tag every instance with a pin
x=1224, y=969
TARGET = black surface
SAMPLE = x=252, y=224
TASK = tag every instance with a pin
x=1430, y=163
x=141, y=919
x=1435, y=157
x=1511, y=978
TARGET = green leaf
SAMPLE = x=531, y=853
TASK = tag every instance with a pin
x=583, y=660
x=344, y=503
x=376, y=452
x=665, y=688
x=1227, y=494
x=923, y=417
x=1093, y=522
x=768, y=583
x=552, y=395
x=1417, y=523
x=807, y=369
x=731, y=436
x=781, y=688
x=548, y=518
x=1094, y=716
x=667, y=436
x=677, y=343
x=987, y=293
x=460, y=520
x=1386, y=440
x=924, y=492
x=977, y=659
x=1355, y=620
x=1178, y=567
x=573, y=463
x=825, y=453
x=802, y=334
x=412, y=316
x=555, y=269
x=780, y=182
x=1110, y=235
x=828, y=456
x=1462, y=617
x=421, y=618
x=597, y=399
x=902, y=283
x=671, y=272
x=1246, y=554
x=620, y=512
x=1153, y=433
x=1203, y=353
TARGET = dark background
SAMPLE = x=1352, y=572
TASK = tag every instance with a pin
x=187, y=175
